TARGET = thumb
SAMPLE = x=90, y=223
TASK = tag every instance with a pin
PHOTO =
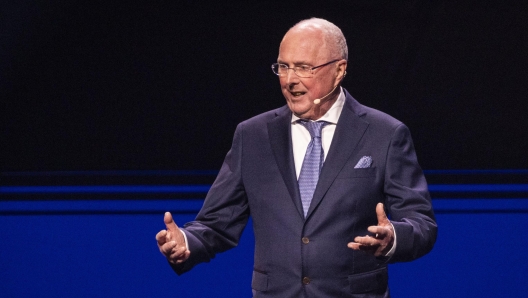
x=169, y=222
x=382, y=217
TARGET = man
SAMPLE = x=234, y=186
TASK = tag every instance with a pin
x=334, y=241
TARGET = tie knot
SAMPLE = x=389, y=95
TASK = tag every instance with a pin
x=314, y=127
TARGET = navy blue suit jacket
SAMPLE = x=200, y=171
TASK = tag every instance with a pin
x=309, y=257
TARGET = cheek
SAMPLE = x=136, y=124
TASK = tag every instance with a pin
x=284, y=82
x=320, y=87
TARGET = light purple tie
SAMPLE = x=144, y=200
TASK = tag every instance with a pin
x=312, y=163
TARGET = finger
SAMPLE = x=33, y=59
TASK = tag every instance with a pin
x=169, y=222
x=359, y=246
x=177, y=252
x=167, y=248
x=186, y=255
x=367, y=241
x=379, y=231
x=182, y=258
x=354, y=245
x=179, y=255
x=382, y=217
x=161, y=237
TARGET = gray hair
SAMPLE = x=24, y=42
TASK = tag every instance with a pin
x=332, y=34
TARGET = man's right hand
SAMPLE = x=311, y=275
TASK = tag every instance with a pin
x=171, y=242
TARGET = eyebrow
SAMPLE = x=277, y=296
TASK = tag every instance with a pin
x=296, y=63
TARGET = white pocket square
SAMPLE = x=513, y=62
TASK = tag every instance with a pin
x=364, y=162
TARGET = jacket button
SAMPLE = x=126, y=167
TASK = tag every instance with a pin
x=305, y=240
x=306, y=280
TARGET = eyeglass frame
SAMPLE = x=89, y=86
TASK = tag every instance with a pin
x=293, y=68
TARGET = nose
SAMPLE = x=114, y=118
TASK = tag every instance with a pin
x=291, y=76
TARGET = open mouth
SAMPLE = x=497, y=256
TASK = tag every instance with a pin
x=297, y=94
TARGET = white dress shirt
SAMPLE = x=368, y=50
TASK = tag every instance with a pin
x=301, y=136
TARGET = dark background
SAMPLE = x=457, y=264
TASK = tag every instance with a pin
x=98, y=94
x=156, y=85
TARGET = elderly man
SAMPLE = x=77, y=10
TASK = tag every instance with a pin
x=317, y=177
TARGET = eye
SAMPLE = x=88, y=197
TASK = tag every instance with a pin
x=305, y=68
x=283, y=66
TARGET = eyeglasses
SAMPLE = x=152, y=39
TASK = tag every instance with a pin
x=303, y=71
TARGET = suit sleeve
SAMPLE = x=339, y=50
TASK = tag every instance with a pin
x=224, y=215
x=408, y=200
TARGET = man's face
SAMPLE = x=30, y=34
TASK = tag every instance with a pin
x=306, y=47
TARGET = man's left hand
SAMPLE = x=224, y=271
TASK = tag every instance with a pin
x=383, y=239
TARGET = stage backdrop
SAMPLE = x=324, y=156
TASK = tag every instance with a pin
x=113, y=112
x=114, y=85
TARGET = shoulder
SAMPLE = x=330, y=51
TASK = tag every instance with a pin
x=260, y=121
x=373, y=117
x=379, y=118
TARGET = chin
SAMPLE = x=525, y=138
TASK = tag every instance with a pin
x=300, y=108
x=302, y=113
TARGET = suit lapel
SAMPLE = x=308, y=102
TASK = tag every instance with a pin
x=279, y=133
x=349, y=131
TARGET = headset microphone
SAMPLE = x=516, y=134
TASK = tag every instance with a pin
x=318, y=100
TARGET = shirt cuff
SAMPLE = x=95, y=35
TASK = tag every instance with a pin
x=187, y=242
x=393, y=249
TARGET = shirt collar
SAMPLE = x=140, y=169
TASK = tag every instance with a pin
x=332, y=116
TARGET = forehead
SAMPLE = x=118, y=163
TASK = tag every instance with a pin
x=305, y=45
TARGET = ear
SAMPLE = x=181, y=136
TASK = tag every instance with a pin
x=341, y=71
